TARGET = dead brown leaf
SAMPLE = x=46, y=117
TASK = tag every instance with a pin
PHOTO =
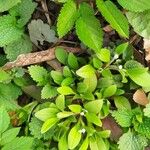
x=140, y=97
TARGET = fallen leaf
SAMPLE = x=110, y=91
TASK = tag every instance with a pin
x=40, y=32
x=140, y=97
x=109, y=123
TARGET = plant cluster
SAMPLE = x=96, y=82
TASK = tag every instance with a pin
x=86, y=102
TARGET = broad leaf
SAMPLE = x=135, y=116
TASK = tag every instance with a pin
x=65, y=90
x=114, y=16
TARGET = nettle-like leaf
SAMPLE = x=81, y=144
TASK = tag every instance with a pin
x=38, y=74
x=123, y=117
x=9, y=31
x=21, y=46
x=134, y=5
x=5, y=120
x=138, y=73
x=143, y=127
x=8, y=94
x=140, y=22
x=132, y=141
x=114, y=16
x=7, y=4
x=41, y=32
x=67, y=18
x=24, y=11
x=88, y=28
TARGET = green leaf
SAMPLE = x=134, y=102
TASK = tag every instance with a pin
x=67, y=81
x=74, y=137
x=7, y=4
x=4, y=76
x=23, y=11
x=57, y=76
x=61, y=55
x=48, y=91
x=134, y=5
x=23, y=143
x=64, y=114
x=89, y=32
x=82, y=87
x=75, y=108
x=143, y=127
x=5, y=120
x=86, y=71
x=122, y=102
x=9, y=135
x=93, y=118
x=123, y=117
x=97, y=63
x=65, y=90
x=35, y=126
x=110, y=91
x=132, y=141
x=121, y=48
x=146, y=110
x=48, y=124
x=9, y=31
x=94, y=106
x=62, y=144
x=88, y=95
x=38, y=74
x=85, y=144
x=21, y=46
x=104, y=55
x=114, y=16
x=138, y=73
x=72, y=61
x=141, y=27
x=46, y=113
x=8, y=94
x=60, y=102
x=67, y=18
x=67, y=72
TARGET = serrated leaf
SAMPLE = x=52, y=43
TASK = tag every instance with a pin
x=38, y=74
x=8, y=94
x=23, y=11
x=74, y=137
x=61, y=55
x=9, y=135
x=123, y=117
x=9, y=31
x=67, y=18
x=20, y=46
x=40, y=32
x=48, y=124
x=94, y=106
x=89, y=32
x=114, y=16
x=65, y=90
x=46, y=113
x=134, y=5
x=48, y=91
x=132, y=141
x=23, y=143
x=5, y=120
x=141, y=27
x=146, y=110
x=143, y=127
x=7, y=4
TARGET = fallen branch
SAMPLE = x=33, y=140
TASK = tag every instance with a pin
x=37, y=57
